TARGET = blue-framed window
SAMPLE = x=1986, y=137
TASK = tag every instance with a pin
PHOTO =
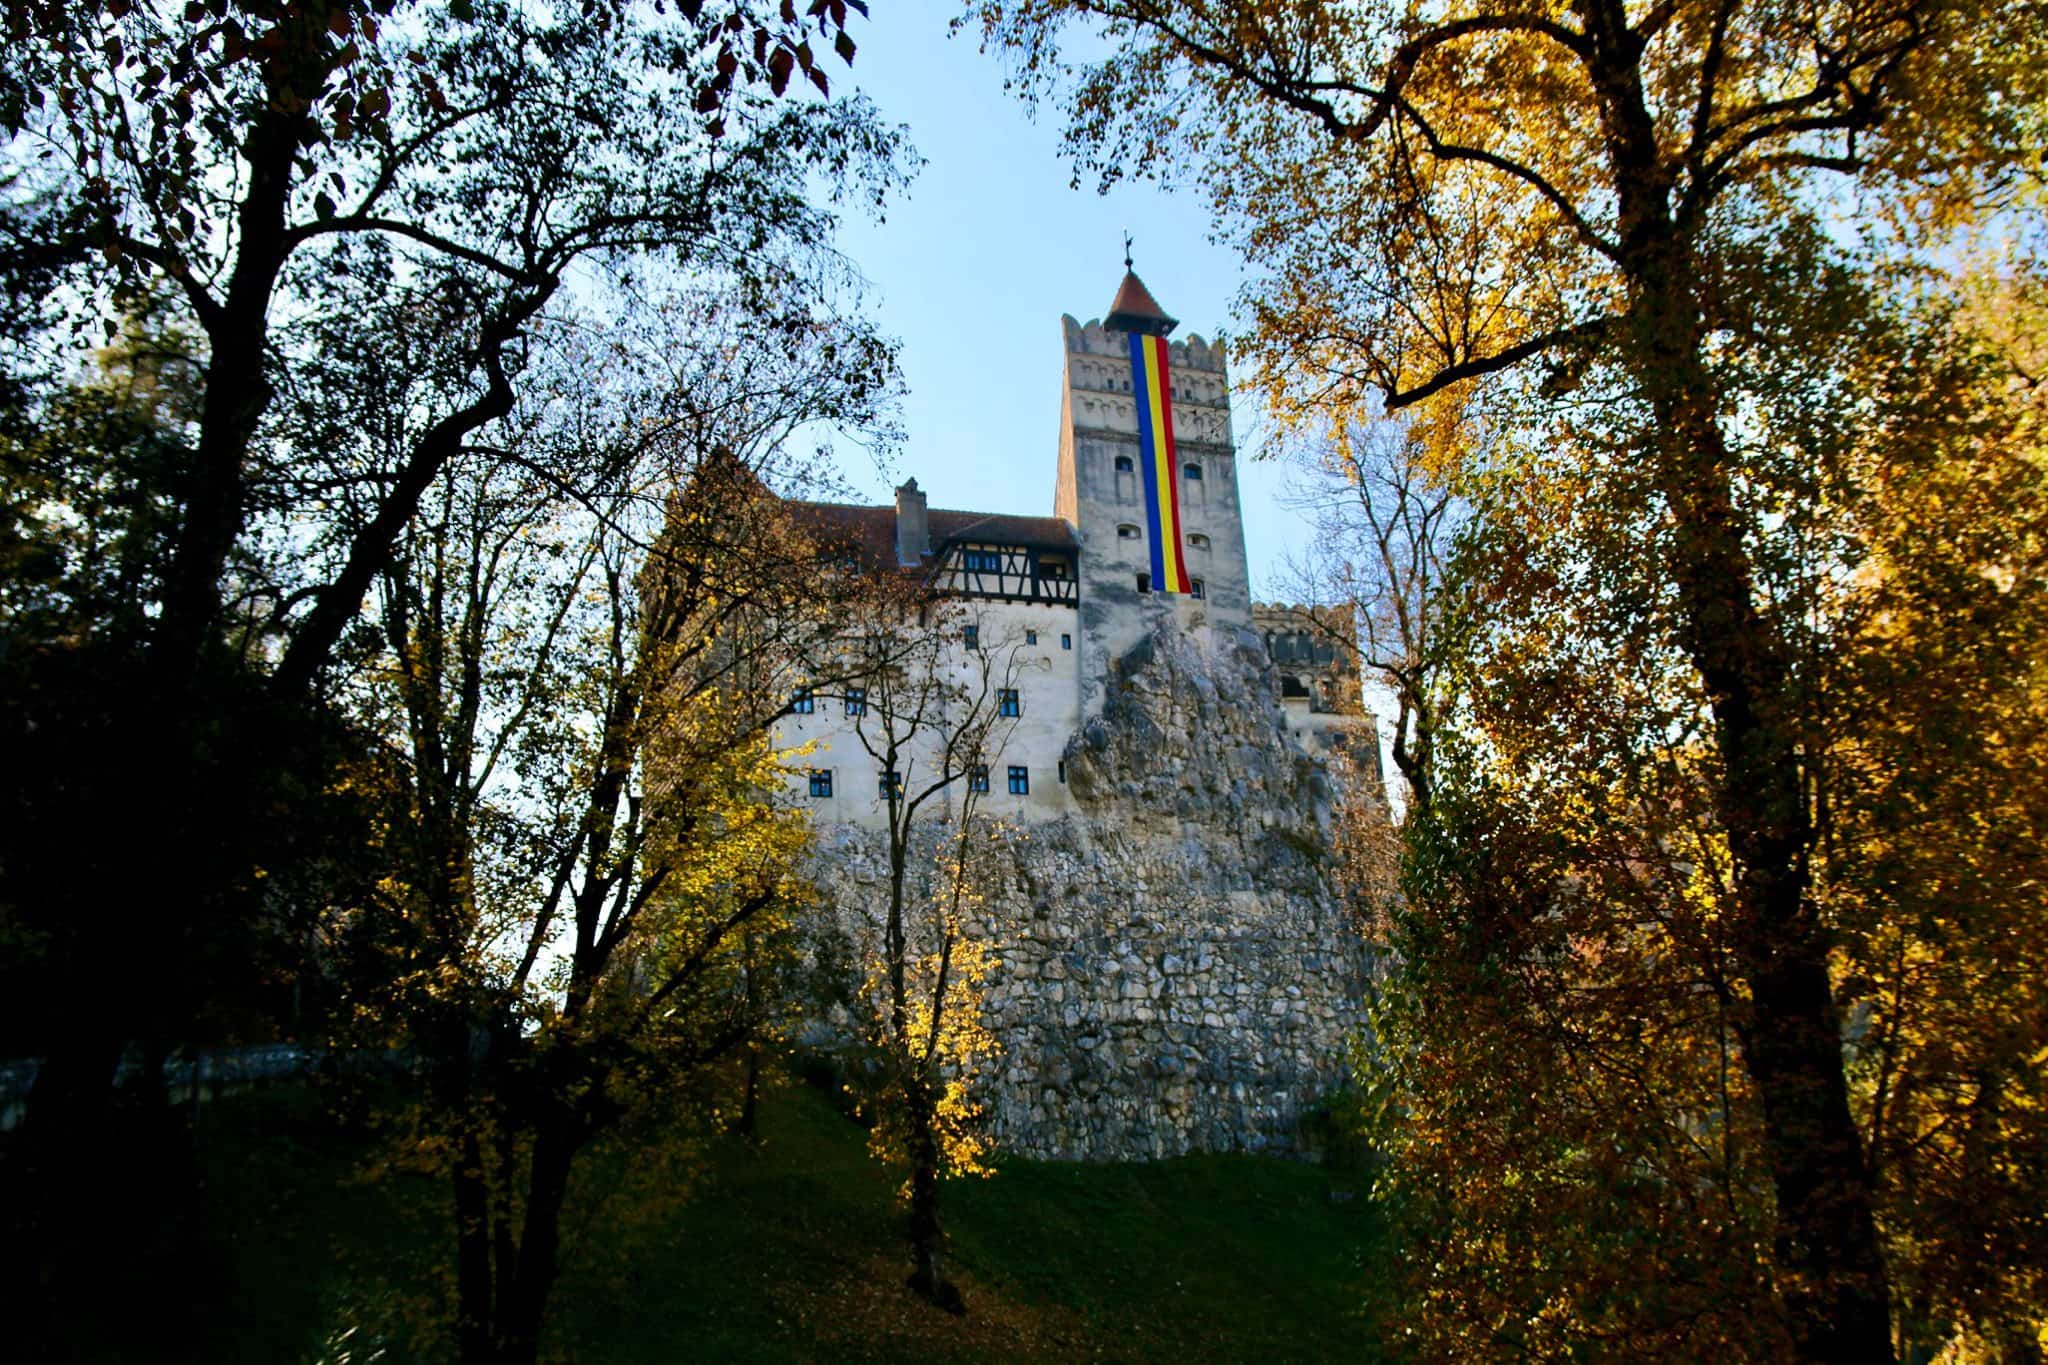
x=982, y=561
x=977, y=778
x=1193, y=472
x=803, y=703
x=1066, y=641
x=821, y=782
x=1020, y=780
x=856, y=701
x=890, y=783
x=1007, y=703
x=972, y=636
x=1030, y=637
x=1196, y=588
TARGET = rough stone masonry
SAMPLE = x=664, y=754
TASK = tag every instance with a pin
x=1176, y=973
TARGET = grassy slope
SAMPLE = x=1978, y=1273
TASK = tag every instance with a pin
x=788, y=1252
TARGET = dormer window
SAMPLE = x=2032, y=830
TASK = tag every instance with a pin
x=982, y=561
x=1128, y=532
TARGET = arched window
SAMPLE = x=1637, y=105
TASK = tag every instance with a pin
x=1125, y=466
x=1198, y=541
x=1128, y=532
x=1193, y=472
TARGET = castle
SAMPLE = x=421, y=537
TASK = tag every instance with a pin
x=1176, y=973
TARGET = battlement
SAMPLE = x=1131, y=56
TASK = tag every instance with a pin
x=1092, y=338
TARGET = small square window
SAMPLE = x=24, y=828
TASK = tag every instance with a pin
x=972, y=635
x=1144, y=582
x=1030, y=637
x=890, y=783
x=1193, y=472
x=821, y=782
x=1066, y=642
x=977, y=778
x=1020, y=780
x=1007, y=703
x=856, y=701
x=803, y=703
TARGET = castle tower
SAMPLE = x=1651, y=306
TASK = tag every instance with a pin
x=1101, y=490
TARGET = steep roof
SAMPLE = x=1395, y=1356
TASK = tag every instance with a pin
x=870, y=532
x=1135, y=310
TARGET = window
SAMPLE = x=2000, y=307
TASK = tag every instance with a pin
x=1198, y=541
x=856, y=701
x=803, y=703
x=983, y=561
x=1053, y=568
x=1020, y=780
x=1066, y=642
x=1030, y=637
x=1144, y=582
x=1124, y=465
x=977, y=778
x=1127, y=532
x=1195, y=588
x=1063, y=771
x=972, y=635
x=1007, y=703
x=1192, y=472
x=889, y=784
x=821, y=782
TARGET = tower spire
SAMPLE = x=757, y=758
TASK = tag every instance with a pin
x=1135, y=310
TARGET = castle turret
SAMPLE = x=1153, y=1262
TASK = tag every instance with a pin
x=1114, y=438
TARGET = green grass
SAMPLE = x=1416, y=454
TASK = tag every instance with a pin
x=788, y=1250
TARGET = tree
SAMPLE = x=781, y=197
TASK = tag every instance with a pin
x=1385, y=518
x=931, y=714
x=1588, y=207
x=587, y=633
x=253, y=157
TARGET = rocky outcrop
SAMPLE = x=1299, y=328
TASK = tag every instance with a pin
x=1175, y=973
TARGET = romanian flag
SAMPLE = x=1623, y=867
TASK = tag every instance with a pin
x=1157, y=462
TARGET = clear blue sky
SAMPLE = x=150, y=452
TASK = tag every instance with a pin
x=973, y=270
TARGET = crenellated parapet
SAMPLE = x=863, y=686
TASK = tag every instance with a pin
x=1092, y=338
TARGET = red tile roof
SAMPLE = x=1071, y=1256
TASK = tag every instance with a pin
x=1135, y=310
x=870, y=532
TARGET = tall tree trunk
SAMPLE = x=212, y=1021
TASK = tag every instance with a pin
x=521, y=1313
x=1831, y=1271
x=474, y=1302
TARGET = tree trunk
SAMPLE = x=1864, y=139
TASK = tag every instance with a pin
x=521, y=1313
x=927, y=1237
x=473, y=1299
x=1831, y=1272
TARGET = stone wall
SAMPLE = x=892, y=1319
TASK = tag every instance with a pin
x=1175, y=972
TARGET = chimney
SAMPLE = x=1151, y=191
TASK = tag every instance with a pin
x=913, y=529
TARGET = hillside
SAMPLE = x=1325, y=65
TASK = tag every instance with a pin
x=783, y=1251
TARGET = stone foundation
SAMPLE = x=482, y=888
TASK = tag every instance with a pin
x=1176, y=973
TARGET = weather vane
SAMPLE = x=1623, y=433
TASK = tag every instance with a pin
x=1127, y=248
